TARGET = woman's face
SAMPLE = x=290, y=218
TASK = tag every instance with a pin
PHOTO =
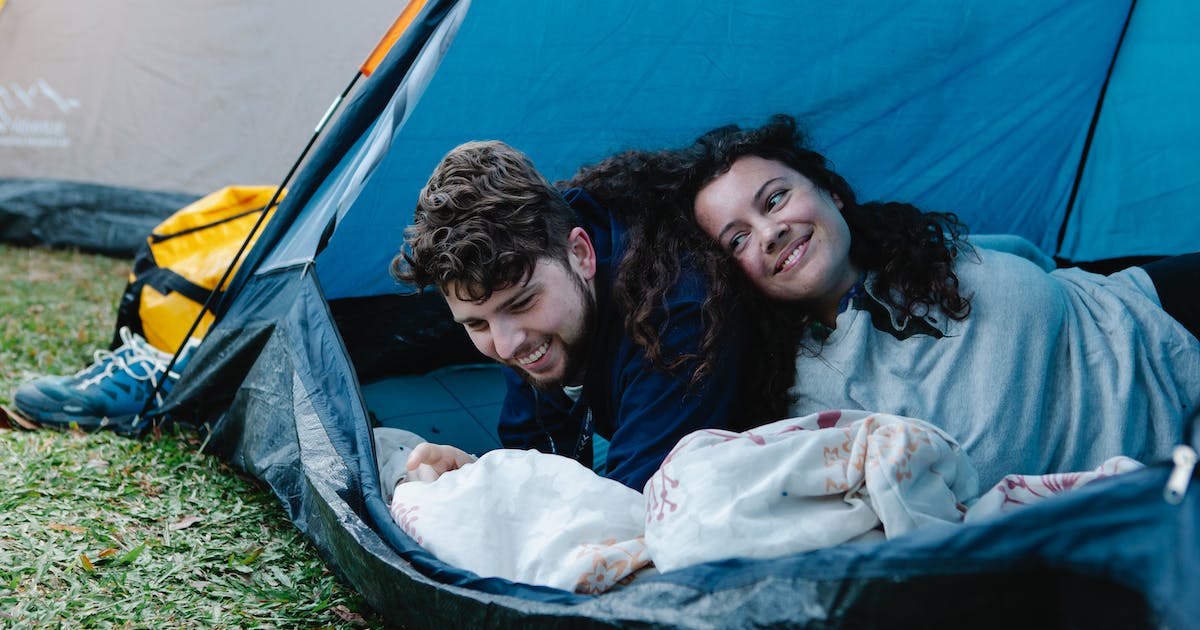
x=786, y=234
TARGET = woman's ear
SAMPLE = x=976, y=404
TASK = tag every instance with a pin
x=837, y=201
x=581, y=255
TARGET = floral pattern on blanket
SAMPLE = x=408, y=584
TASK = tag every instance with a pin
x=406, y=517
x=1017, y=491
x=609, y=568
x=800, y=484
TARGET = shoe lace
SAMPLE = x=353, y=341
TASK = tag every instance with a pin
x=131, y=354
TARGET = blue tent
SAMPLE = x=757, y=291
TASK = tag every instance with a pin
x=1068, y=122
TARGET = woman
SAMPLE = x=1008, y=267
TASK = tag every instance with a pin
x=888, y=308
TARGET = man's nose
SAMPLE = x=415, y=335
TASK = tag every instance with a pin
x=507, y=339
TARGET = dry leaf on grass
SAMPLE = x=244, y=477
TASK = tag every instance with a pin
x=348, y=616
x=184, y=523
x=12, y=418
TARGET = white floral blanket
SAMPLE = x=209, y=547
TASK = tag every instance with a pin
x=528, y=517
x=782, y=488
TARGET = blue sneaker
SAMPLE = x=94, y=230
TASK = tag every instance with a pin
x=107, y=395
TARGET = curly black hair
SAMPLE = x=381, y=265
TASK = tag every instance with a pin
x=911, y=252
x=644, y=189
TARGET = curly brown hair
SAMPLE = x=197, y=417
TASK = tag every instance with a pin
x=482, y=222
x=487, y=216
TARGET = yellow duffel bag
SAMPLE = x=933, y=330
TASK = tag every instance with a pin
x=182, y=261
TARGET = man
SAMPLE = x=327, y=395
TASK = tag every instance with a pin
x=529, y=271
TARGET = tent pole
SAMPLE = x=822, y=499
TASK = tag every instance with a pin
x=209, y=302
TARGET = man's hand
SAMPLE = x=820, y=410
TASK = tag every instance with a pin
x=429, y=461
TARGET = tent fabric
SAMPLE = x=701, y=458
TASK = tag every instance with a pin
x=980, y=108
x=970, y=92
x=104, y=219
x=337, y=172
x=1137, y=196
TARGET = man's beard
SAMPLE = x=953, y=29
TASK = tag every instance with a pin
x=577, y=352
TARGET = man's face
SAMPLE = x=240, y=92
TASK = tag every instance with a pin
x=540, y=328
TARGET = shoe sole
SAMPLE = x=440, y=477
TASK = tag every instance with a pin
x=46, y=412
x=37, y=418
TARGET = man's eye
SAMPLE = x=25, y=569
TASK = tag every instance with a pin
x=774, y=200
x=476, y=325
x=522, y=304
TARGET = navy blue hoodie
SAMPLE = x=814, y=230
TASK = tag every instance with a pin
x=642, y=410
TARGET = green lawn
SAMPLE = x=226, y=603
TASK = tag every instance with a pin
x=103, y=531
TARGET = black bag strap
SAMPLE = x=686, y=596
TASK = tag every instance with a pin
x=166, y=281
x=157, y=238
x=147, y=273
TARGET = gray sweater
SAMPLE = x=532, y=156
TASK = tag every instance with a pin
x=1050, y=372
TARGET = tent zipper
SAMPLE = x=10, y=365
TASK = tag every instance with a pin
x=1177, y=483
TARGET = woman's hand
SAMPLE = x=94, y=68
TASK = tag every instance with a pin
x=429, y=461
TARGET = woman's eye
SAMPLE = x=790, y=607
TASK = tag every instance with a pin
x=774, y=200
x=476, y=326
x=736, y=242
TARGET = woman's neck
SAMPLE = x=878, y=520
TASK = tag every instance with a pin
x=836, y=300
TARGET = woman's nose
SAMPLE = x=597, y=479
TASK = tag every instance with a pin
x=772, y=236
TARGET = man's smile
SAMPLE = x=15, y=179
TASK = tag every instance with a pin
x=533, y=357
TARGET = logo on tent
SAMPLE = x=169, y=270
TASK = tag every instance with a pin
x=30, y=116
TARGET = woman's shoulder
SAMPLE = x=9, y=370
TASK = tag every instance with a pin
x=984, y=266
x=1009, y=287
x=1013, y=244
x=1130, y=288
x=1003, y=282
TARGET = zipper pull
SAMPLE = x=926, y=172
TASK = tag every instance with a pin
x=1177, y=483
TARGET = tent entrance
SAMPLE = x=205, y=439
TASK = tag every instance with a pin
x=419, y=371
x=390, y=335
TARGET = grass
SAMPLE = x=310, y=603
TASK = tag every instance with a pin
x=103, y=531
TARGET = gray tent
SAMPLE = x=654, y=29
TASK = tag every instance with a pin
x=115, y=114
